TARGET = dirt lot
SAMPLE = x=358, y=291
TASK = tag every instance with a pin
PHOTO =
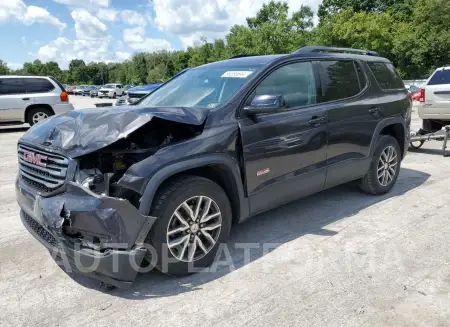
x=339, y=258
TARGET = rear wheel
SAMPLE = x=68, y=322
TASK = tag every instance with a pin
x=194, y=217
x=37, y=115
x=384, y=167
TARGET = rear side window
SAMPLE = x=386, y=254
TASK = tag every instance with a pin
x=37, y=85
x=10, y=86
x=440, y=77
x=386, y=76
x=339, y=80
x=63, y=89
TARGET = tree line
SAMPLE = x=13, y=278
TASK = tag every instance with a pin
x=413, y=34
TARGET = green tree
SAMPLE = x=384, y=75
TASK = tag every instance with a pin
x=4, y=70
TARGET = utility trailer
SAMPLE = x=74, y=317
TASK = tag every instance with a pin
x=417, y=139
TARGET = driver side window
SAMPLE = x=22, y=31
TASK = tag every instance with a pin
x=295, y=82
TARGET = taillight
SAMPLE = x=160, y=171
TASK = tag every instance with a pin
x=64, y=96
x=422, y=95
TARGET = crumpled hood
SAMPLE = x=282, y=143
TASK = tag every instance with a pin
x=79, y=132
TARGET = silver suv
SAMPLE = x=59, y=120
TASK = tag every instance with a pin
x=31, y=99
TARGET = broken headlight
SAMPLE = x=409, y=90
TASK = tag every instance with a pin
x=92, y=179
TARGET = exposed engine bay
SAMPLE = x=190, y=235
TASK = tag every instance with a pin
x=101, y=170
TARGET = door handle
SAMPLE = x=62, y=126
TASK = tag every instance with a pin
x=317, y=121
x=374, y=110
x=25, y=99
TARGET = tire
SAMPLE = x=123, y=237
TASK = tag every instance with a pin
x=33, y=113
x=169, y=199
x=114, y=96
x=371, y=183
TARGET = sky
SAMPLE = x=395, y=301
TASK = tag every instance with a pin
x=112, y=30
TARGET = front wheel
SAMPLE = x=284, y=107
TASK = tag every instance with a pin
x=384, y=167
x=193, y=219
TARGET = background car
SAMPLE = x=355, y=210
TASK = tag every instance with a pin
x=70, y=89
x=434, y=108
x=136, y=93
x=126, y=87
x=110, y=90
x=79, y=90
x=94, y=91
x=31, y=99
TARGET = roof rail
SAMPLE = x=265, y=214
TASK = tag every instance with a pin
x=313, y=48
x=241, y=56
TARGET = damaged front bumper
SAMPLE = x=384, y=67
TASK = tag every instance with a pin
x=114, y=231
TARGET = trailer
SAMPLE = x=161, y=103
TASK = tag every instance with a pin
x=417, y=139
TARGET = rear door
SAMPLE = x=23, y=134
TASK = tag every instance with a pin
x=13, y=99
x=285, y=152
x=437, y=95
x=39, y=91
x=352, y=117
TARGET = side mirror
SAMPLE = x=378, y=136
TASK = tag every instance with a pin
x=263, y=104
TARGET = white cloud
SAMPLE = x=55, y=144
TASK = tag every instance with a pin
x=16, y=10
x=193, y=19
x=132, y=17
x=64, y=50
x=87, y=4
x=136, y=40
x=87, y=26
x=23, y=39
x=121, y=56
x=109, y=15
x=14, y=65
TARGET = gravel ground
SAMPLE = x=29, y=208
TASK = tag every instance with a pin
x=338, y=258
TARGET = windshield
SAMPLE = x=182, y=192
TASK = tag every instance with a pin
x=203, y=87
x=108, y=86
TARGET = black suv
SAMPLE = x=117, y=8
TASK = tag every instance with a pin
x=164, y=181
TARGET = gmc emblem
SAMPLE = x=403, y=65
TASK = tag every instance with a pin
x=34, y=158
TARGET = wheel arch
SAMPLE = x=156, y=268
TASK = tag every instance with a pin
x=221, y=169
x=394, y=126
x=34, y=106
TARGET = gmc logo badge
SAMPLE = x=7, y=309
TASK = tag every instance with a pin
x=34, y=158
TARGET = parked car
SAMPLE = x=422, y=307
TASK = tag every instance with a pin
x=110, y=91
x=434, y=108
x=209, y=148
x=87, y=90
x=126, y=87
x=70, y=89
x=31, y=99
x=412, y=88
x=94, y=91
x=79, y=90
x=136, y=93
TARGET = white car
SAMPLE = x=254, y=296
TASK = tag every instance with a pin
x=110, y=91
x=434, y=108
x=31, y=99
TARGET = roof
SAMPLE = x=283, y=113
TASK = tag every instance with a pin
x=246, y=61
x=23, y=76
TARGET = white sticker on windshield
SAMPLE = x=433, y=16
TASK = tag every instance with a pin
x=236, y=74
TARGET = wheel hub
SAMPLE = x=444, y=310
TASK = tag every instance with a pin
x=194, y=228
x=387, y=165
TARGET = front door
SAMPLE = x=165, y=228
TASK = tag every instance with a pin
x=285, y=152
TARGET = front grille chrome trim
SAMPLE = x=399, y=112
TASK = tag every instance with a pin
x=48, y=176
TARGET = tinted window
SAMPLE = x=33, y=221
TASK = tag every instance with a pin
x=37, y=85
x=63, y=88
x=386, y=76
x=440, y=77
x=295, y=82
x=339, y=80
x=361, y=76
x=11, y=86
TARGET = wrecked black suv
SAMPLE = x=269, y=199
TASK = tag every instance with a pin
x=163, y=182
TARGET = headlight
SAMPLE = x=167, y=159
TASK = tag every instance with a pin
x=91, y=179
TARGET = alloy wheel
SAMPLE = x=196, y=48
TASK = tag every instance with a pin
x=194, y=228
x=39, y=116
x=387, y=165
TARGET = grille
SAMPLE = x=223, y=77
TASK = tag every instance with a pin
x=42, y=170
x=39, y=230
x=136, y=95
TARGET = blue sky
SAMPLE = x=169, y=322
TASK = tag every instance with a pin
x=112, y=30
